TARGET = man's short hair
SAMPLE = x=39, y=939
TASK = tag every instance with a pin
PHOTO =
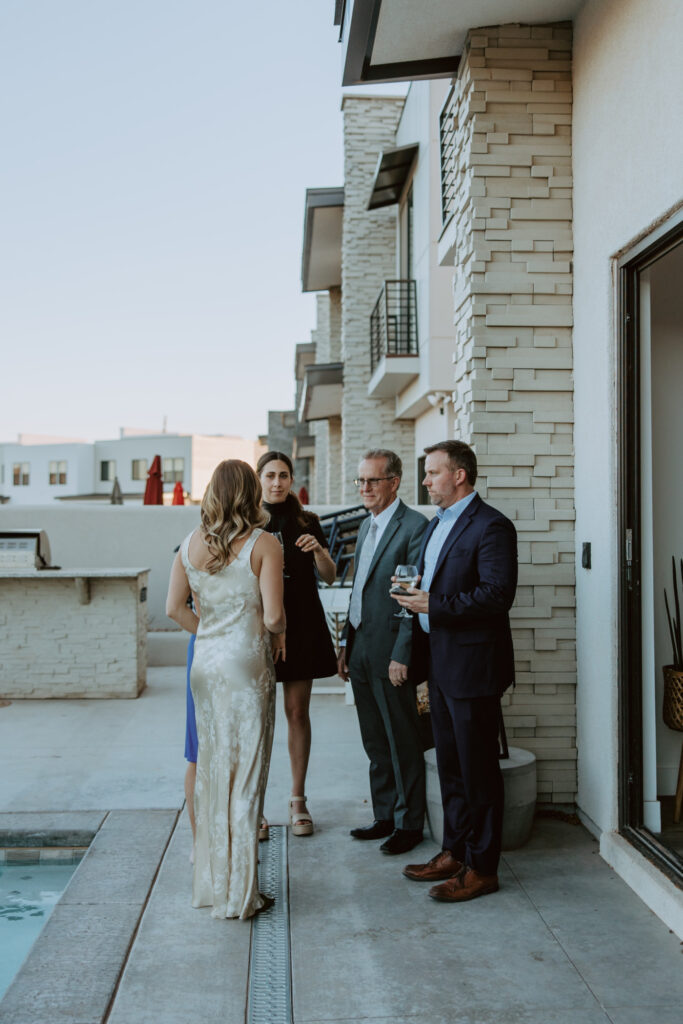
x=394, y=466
x=460, y=456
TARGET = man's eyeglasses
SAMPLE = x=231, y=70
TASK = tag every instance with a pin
x=370, y=481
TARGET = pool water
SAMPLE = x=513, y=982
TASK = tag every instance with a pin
x=28, y=892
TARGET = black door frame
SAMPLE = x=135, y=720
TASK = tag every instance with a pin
x=629, y=268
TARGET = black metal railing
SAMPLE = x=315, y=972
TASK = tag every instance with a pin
x=448, y=125
x=393, y=322
x=341, y=532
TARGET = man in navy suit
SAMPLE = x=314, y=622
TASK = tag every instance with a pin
x=463, y=645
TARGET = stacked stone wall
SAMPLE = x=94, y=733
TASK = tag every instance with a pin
x=335, y=324
x=368, y=260
x=320, y=335
x=511, y=228
x=55, y=646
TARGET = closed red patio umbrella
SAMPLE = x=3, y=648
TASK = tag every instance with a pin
x=178, y=496
x=154, y=488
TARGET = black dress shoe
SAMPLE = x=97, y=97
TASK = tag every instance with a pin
x=378, y=830
x=401, y=840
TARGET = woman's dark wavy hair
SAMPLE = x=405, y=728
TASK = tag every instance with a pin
x=303, y=518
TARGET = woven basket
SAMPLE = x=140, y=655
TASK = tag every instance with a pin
x=672, y=708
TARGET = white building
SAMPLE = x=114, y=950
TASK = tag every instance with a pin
x=39, y=470
x=562, y=223
x=394, y=386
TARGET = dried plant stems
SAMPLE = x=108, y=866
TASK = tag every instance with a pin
x=674, y=621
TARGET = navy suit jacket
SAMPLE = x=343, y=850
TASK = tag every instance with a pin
x=468, y=651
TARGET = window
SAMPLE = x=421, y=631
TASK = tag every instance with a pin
x=58, y=472
x=139, y=469
x=21, y=474
x=108, y=469
x=173, y=470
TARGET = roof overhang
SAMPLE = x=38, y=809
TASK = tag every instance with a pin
x=391, y=174
x=400, y=40
x=321, y=256
x=303, y=446
x=321, y=394
x=304, y=355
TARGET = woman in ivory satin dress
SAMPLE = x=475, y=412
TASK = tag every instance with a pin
x=234, y=570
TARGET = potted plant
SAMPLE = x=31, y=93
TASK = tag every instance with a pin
x=672, y=710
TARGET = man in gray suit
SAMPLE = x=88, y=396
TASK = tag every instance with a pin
x=375, y=653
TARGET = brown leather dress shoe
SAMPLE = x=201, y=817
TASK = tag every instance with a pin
x=466, y=885
x=444, y=865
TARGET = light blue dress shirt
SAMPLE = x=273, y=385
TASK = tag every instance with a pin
x=447, y=520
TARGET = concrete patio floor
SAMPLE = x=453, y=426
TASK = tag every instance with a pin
x=565, y=941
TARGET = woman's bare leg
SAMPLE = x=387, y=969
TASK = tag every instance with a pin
x=190, y=778
x=297, y=696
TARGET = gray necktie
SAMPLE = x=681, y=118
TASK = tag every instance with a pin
x=361, y=575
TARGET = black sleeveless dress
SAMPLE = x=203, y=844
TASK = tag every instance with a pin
x=310, y=654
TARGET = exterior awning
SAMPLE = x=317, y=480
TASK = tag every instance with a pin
x=304, y=355
x=303, y=446
x=321, y=394
x=321, y=256
x=391, y=174
x=400, y=40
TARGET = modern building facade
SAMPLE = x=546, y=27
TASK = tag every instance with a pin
x=37, y=471
x=562, y=225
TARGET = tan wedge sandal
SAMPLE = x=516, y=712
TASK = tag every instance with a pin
x=300, y=821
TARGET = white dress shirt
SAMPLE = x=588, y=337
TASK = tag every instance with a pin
x=447, y=520
x=381, y=521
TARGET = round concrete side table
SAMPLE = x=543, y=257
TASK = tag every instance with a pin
x=519, y=780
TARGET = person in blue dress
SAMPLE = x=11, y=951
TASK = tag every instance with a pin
x=190, y=744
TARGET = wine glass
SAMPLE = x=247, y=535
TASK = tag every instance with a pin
x=278, y=536
x=406, y=578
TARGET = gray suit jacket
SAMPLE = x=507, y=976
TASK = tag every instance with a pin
x=387, y=638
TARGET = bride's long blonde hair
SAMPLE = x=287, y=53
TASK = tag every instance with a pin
x=231, y=508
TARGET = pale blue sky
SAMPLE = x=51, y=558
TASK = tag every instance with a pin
x=155, y=155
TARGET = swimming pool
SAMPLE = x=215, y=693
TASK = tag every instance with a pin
x=28, y=892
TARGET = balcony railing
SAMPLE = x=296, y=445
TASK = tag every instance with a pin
x=448, y=124
x=393, y=322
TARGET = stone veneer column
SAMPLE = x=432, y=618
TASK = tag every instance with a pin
x=327, y=433
x=368, y=260
x=512, y=243
x=334, y=426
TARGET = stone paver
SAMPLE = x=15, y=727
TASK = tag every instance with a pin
x=85, y=755
x=564, y=942
x=55, y=828
x=72, y=971
x=184, y=966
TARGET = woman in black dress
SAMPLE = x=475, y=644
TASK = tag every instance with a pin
x=310, y=654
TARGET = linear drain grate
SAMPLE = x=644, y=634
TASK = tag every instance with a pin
x=270, y=975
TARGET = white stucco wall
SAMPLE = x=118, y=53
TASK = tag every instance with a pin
x=201, y=453
x=628, y=155
x=123, y=450
x=434, y=283
x=79, y=471
x=112, y=537
x=208, y=452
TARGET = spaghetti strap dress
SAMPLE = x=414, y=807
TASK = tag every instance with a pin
x=233, y=685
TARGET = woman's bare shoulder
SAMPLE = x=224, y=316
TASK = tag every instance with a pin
x=266, y=544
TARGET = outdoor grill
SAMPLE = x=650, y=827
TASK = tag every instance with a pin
x=24, y=549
